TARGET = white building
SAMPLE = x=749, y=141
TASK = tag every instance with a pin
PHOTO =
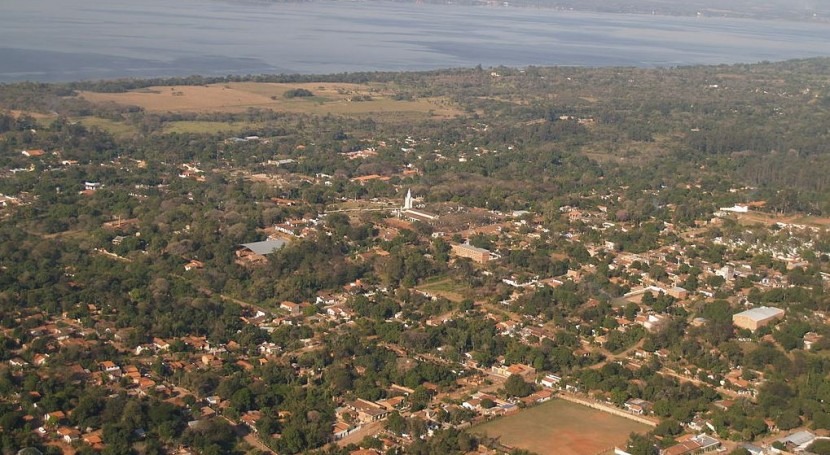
x=407, y=202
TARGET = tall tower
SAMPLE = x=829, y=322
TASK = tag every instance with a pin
x=407, y=202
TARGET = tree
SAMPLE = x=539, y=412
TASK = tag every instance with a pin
x=788, y=420
x=395, y=423
x=820, y=447
x=297, y=92
x=642, y=445
x=515, y=386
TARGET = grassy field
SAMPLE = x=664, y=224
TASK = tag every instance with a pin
x=560, y=427
x=446, y=288
x=329, y=98
x=117, y=129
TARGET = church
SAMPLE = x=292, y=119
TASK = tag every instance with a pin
x=410, y=213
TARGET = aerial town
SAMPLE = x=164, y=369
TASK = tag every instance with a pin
x=240, y=298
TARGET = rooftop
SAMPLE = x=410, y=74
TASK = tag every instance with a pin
x=761, y=313
x=266, y=246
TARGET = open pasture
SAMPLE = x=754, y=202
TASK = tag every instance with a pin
x=236, y=97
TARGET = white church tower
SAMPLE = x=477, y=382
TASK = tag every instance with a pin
x=407, y=202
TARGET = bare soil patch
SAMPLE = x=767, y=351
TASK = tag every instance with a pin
x=753, y=217
x=559, y=427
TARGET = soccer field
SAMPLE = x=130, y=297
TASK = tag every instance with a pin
x=560, y=427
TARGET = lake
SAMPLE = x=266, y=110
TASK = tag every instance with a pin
x=64, y=40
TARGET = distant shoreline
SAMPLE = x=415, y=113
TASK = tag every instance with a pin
x=699, y=8
x=51, y=42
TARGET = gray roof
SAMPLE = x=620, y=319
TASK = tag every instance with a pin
x=265, y=247
x=706, y=441
x=761, y=313
x=753, y=449
x=799, y=438
x=473, y=248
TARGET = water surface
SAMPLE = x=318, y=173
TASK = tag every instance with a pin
x=62, y=40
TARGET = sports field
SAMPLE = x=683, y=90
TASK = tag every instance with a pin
x=560, y=427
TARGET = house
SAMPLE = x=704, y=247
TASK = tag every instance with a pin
x=69, y=435
x=251, y=418
x=339, y=312
x=700, y=424
x=653, y=322
x=244, y=364
x=40, y=359
x=753, y=449
x=367, y=411
x=55, y=417
x=197, y=343
x=550, y=381
x=94, y=440
x=692, y=445
x=392, y=403
x=194, y=265
x=340, y=430
x=109, y=366
x=475, y=403
x=269, y=348
x=638, y=406
x=538, y=332
x=161, y=344
x=678, y=292
x=33, y=153
x=506, y=328
x=291, y=307
x=524, y=371
x=364, y=452
x=543, y=396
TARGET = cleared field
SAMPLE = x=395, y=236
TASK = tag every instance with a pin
x=446, y=288
x=753, y=217
x=560, y=427
x=329, y=98
x=117, y=129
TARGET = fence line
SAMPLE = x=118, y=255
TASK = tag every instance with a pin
x=608, y=409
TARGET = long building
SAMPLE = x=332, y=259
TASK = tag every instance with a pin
x=757, y=317
x=465, y=250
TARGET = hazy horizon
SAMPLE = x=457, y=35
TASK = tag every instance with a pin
x=66, y=40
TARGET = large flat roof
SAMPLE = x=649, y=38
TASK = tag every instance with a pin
x=266, y=246
x=762, y=312
x=467, y=246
